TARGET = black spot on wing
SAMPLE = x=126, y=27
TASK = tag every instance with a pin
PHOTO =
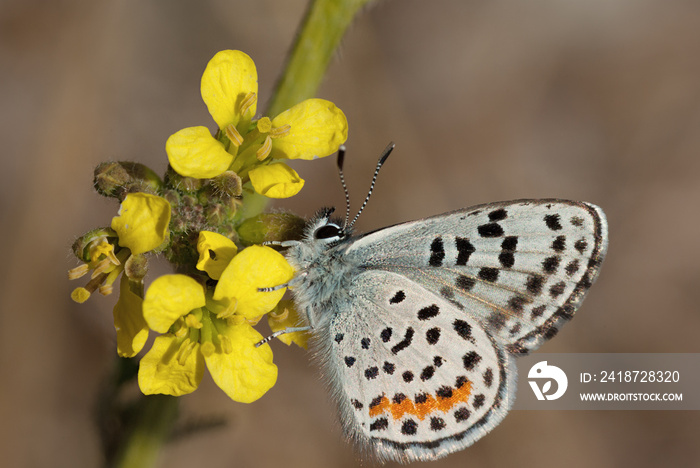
x=398, y=297
x=379, y=424
x=490, y=230
x=464, y=250
x=463, y=329
x=465, y=283
x=496, y=320
x=437, y=424
x=488, y=377
x=488, y=274
x=572, y=267
x=534, y=284
x=559, y=244
x=388, y=367
x=386, y=334
x=409, y=427
x=507, y=259
x=537, y=311
x=550, y=264
x=376, y=401
x=510, y=243
x=498, y=215
x=581, y=245
x=432, y=335
x=516, y=303
x=444, y=392
x=437, y=252
x=405, y=343
x=557, y=289
x=428, y=312
x=553, y=221
x=470, y=360
x=461, y=414
x=371, y=372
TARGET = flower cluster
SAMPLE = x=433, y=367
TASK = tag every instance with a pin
x=205, y=313
x=312, y=129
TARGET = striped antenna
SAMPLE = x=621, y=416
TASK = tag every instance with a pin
x=382, y=159
x=341, y=159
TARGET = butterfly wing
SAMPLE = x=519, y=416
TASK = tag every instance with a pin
x=520, y=268
x=415, y=377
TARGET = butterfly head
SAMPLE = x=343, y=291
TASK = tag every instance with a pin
x=324, y=229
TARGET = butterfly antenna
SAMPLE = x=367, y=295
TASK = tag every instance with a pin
x=341, y=159
x=382, y=159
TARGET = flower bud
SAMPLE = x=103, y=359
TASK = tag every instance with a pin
x=136, y=267
x=271, y=227
x=117, y=178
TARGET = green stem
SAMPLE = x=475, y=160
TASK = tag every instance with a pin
x=320, y=33
x=153, y=425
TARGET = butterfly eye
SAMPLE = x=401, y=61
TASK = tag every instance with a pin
x=328, y=231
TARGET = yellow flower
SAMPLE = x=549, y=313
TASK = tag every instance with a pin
x=276, y=180
x=193, y=152
x=200, y=329
x=100, y=257
x=173, y=366
x=243, y=371
x=132, y=329
x=215, y=253
x=142, y=224
x=311, y=129
x=170, y=297
x=255, y=267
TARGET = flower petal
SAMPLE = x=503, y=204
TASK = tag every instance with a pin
x=286, y=316
x=276, y=180
x=143, y=220
x=215, y=253
x=132, y=329
x=161, y=370
x=247, y=372
x=193, y=152
x=318, y=128
x=170, y=297
x=228, y=78
x=254, y=267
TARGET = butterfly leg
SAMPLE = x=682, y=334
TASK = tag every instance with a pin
x=284, y=244
x=290, y=283
x=281, y=332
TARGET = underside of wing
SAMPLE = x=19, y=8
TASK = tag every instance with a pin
x=415, y=378
x=521, y=268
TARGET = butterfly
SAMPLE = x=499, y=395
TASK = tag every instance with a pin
x=416, y=325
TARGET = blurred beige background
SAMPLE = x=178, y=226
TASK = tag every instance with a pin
x=595, y=100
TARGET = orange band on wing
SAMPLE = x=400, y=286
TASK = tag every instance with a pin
x=423, y=408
